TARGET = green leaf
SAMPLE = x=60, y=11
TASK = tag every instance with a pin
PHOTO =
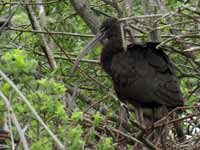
x=106, y=144
x=41, y=144
x=97, y=119
x=77, y=116
x=75, y=140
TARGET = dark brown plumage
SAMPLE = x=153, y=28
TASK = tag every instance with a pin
x=142, y=74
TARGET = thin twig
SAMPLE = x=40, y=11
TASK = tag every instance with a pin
x=42, y=3
x=15, y=121
x=52, y=32
x=47, y=49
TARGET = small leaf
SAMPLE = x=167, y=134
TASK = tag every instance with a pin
x=97, y=119
x=77, y=116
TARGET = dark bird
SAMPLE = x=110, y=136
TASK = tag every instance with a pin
x=142, y=75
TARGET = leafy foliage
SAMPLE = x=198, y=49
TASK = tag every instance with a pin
x=79, y=108
x=106, y=144
x=17, y=62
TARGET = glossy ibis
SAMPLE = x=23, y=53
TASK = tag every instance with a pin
x=142, y=75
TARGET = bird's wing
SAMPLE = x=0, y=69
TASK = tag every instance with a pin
x=146, y=76
x=158, y=59
x=168, y=90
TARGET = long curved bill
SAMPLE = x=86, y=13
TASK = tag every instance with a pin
x=99, y=36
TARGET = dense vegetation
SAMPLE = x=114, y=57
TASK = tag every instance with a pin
x=37, y=51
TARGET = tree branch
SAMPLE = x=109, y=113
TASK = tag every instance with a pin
x=83, y=9
x=36, y=25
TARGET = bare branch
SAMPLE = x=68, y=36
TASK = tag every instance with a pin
x=18, y=3
x=150, y=7
x=83, y=9
x=15, y=121
x=53, y=32
x=128, y=5
x=114, y=4
x=47, y=49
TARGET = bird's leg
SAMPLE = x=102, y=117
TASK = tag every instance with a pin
x=160, y=134
x=179, y=129
x=140, y=118
x=123, y=113
x=139, y=115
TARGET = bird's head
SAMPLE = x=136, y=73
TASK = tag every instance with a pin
x=108, y=24
x=110, y=28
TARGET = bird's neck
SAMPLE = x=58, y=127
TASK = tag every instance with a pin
x=111, y=48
